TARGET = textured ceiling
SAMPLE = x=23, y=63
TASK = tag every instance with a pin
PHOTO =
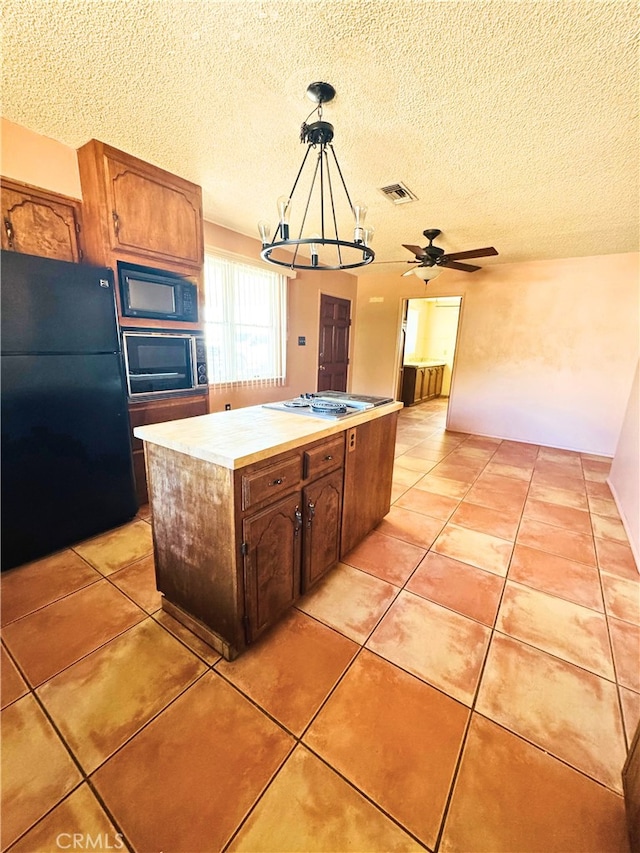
x=514, y=123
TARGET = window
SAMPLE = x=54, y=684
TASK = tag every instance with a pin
x=245, y=322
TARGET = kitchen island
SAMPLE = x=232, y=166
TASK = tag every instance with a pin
x=251, y=507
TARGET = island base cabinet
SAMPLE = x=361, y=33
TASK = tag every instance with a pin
x=272, y=543
x=235, y=548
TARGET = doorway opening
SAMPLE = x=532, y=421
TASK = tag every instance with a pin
x=428, y=340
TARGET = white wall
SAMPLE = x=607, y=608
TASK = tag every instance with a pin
x=546, y=349
x=624, y=479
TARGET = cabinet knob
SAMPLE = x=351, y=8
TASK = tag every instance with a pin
x=311, y=511
x=278, y=482
x=328, y=457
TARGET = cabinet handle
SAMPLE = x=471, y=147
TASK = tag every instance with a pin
x=8, y=227
x=116, y=223
x=298, y=524
x=311, y=511
x=277, y=482
x=328, y=457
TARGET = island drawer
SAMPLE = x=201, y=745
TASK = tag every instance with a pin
x=324, y=457
x=270, y=482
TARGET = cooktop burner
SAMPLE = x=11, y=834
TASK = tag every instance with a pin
x=328, y=404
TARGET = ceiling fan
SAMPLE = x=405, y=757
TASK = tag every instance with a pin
x=432, y=259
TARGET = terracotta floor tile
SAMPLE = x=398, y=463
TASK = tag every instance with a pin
x=423, y=451
x=428, y=503
x=37, y=770
x=478, y=549
x=567, y=466
x=510, y=469
x=489, y=491
x=511, y=796
x=465, y=474
x=596, y=472
x=412, y=527
x=12, y=684
x=405, y=477
x=34, y=585
x=117, y=548
x=630, y=701
x=186, y=781
x=616, y=558
x=568, y=517
x=385, y=557
x=138, y=581
x=439, y=646
x=395, y=738
x=622, y=597
x=556, y=575
x=101, y=701
x=625, y=639
x=564, y=497
x=397, y=492
x=483, y=442
x=609, y=528
x=562, y=628
x=463, y=588
x=190, y=640
x=443, y=486
x=495, y=522
x=596, y=489
x=413, y=463
x=350, y=601
x=562, y=708
x=558, y=454
x=558, y=480
x=556, y=540
x=79, y=819
x=604, y=507
x=292, y=669
x=323, y=813
x=58, y=635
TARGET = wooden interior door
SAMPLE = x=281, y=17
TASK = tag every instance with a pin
x=333, y=353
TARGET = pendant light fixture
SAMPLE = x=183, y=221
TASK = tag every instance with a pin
x=312, y=238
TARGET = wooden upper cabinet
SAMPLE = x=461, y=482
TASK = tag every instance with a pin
x=39, y=222
x=136, y=210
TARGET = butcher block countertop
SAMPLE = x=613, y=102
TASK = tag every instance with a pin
x=240, y=437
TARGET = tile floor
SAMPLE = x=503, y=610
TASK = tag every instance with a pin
x=468, y=679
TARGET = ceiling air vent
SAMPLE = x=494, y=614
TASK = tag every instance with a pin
x=398, y=193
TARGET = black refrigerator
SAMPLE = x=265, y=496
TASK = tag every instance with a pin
x=67, y=470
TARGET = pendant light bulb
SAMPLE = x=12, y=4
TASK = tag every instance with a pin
x=264, y=229
x=314, y=250
x=367, y=235
x=359, y=214
x=284, y=209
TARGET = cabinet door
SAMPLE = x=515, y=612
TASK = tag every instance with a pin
x=153, y=213
x=272, y=546
x=419, y=391
x=37, y=222
x=322, y=503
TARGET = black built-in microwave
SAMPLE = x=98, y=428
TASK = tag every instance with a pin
x=159, y=295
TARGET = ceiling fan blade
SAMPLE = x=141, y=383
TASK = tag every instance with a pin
x=418, y=251
x=453, y=265
x=396, y=262
x=472, y=253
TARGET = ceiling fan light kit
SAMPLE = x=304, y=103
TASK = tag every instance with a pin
x=326, y=248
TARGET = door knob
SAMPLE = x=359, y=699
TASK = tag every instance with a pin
x=322, y=367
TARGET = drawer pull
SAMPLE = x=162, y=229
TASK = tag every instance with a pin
x=311, y=511
x=328, y=458
x=278, y=482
